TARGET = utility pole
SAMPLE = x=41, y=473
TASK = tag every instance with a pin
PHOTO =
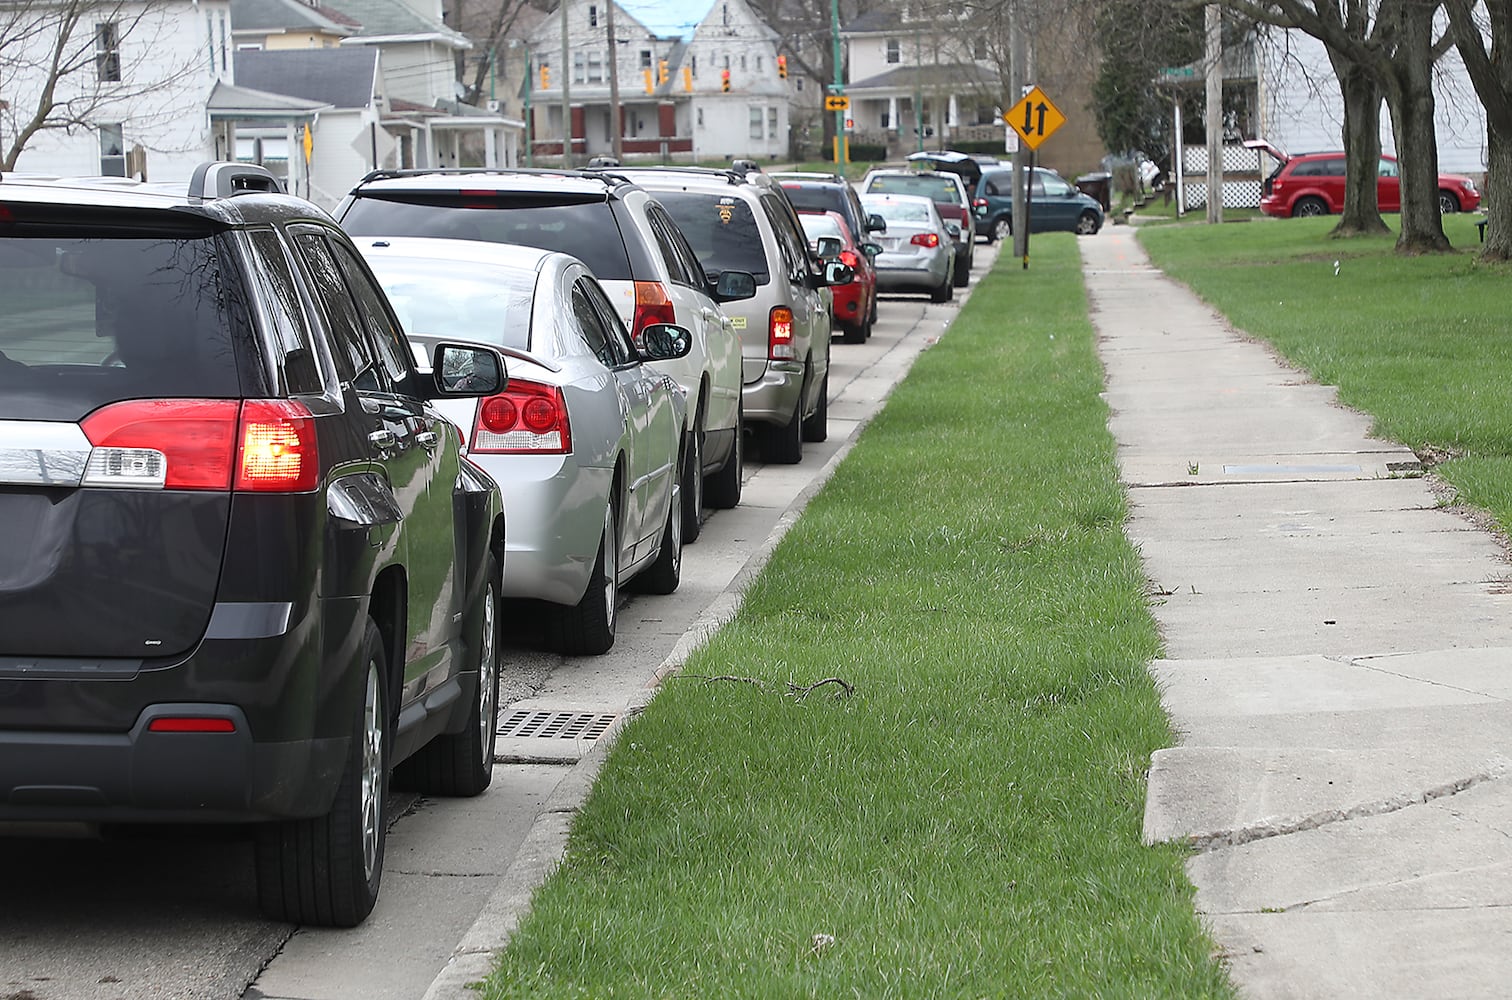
x=842, y=148
x=566, y=91
x=1213, y=18
x=616, y=124
x=1018, y=58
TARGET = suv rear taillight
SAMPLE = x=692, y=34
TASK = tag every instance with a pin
x=527, y=418
x=850, y=259
x=652, y=305
x=979, y=203
x=261, y=445
x=780, y=334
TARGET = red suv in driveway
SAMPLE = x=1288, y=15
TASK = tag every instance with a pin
x=1313, y=184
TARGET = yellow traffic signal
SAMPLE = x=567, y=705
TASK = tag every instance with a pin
x=724, y=80
x=649, y=85
x=545, y=77
x=782, y=67
x=688, y=79
x=661, y=71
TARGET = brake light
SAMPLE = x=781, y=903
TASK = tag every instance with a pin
x=979, y=203
x=930, y=240
x=262, y=445
x=191, y=724
x=652, y=305
x=850, y=258
x=526, y=418
x=780, y=334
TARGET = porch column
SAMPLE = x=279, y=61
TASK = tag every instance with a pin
x=950, y=118
x=490, y=147
x=892, y=114
x=579, y=127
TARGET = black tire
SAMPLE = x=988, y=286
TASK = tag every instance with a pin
x=1448, y=203
x=722, y=490
x=326, y=871
x=587, y=628
x=945, y=292
x=461, y=764
x=871, y=317
x=962, y=274
x=783, y=445
x=693, y=484
x=1309, y=207
x=857, y=333
x=1002, y=228
x=663, y=575
x=816, y=427
x=1086, y=224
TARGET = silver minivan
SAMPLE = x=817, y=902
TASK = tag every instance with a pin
x=745, y=222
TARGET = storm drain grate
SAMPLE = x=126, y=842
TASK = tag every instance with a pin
x=541, y=724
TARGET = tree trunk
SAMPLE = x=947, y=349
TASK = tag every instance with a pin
x=1409, y=95
x=1498, y=201
x=1362, y=149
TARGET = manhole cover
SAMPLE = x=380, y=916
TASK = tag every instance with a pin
x=545, y=724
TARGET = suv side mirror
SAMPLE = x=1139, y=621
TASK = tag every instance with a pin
x=876, y=224
x=665, y=341
x=464, y=370
x=828, y=246
x=838, y=272
x=954, y=229
x=733, y=286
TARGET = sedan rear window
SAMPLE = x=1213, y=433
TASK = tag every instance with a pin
x=940, y=189
x=445, y=300
x=585, y=229
x=89, y=321
x=721, y=229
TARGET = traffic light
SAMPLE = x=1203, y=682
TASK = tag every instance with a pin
x=649, y=85
x=782, y=67
x=724, y=80
x=688, y=79
x=661, y=71
x=545, y=77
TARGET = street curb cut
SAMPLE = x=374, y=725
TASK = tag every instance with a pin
x=546, y=843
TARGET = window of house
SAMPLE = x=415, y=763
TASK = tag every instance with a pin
x=595, y=67
x=579, y=70
x=112, y=151
x=800, y=83
x=758, y=64
x=771, y=123
x=886, y=119
x=693, y=65
x=224, y=58
x=645, y=58
x=592, y=16
x=756, y=123
x=727, y=61
x=108, y=52
x=894, y=51
x=742, y=62
x=700, y=118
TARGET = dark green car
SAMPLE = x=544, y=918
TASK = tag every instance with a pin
x=1055, y=205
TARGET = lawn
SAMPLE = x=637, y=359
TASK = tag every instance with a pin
x=1419, y=343
x=962, y=817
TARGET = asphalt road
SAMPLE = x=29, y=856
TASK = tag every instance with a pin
x=172, y=914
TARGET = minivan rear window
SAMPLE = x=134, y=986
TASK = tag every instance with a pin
x=722, y=231
x=91, y=320
x=585, y=229
x=937, y=189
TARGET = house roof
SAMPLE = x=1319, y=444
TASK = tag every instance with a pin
x=340, y=77
x=957, y=75
x=391, y=19
x=283, y=15
x=880, y=19
x=231, y=101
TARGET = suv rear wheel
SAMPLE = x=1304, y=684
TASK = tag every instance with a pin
x=1309, y=207
x=326, y=871
x=816, y=427
x=783, y=445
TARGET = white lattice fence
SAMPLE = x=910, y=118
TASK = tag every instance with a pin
x=1244, y=172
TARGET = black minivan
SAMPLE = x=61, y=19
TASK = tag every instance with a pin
x=244, y=567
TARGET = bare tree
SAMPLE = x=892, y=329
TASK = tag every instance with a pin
x=489, y=24
x=67, y=65
x=1488, y=61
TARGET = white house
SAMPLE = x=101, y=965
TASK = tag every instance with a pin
x=146, y=73
x=751, y=119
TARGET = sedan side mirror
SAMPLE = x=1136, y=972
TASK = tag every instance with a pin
x=838, y=273
x=464, y=370
x=733, y=286
x=828, y=246
x=876, y=224
x=665, y=341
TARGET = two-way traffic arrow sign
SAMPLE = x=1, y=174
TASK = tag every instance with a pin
x=1034, y=118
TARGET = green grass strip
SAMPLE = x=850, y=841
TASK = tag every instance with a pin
x=1419, y=343
x=967, y=823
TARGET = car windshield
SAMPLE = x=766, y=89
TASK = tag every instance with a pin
x=585, y=229
x=898, y=211
x=448, y=300
x=721, y=229
x=931, y=186
x=89, y=321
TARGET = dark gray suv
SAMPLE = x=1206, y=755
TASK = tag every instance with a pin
x=244, y=568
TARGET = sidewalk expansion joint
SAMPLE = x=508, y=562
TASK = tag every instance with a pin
x=1203, y=843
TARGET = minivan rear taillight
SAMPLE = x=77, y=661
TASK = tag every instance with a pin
x=262, y=445
x=780, y=334
x=652, y=305
x=527, y=418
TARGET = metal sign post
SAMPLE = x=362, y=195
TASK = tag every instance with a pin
x=1035, y=117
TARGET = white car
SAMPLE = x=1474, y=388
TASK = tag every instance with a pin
x=585, y=439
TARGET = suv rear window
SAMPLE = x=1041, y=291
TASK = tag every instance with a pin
x=721, y=229
x=814, y=199
x=89, y=321
x=936, y=189
x=578, y=228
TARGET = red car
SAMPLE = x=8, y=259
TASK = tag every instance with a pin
x=1313, y=184
x=855, y=305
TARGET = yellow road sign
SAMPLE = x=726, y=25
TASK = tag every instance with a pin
x=834, y=103
x=1034, y=118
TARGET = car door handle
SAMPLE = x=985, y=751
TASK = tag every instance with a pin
x=427, y=440
x=383, y=439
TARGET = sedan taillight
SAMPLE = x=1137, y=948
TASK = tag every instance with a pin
x=930, y=240
x=527, y=418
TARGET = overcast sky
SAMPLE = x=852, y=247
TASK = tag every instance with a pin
x=668, y=17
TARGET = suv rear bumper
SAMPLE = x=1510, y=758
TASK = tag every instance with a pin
x=142, y=775
x=772, y=398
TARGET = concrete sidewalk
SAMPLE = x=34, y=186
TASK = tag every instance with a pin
x=1339, y=663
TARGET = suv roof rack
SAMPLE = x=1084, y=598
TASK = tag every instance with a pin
x=730, y=176
x=595, y=174
x=219, y=179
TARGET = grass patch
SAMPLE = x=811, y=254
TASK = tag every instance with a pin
x=1419, y=343
x=967, y=822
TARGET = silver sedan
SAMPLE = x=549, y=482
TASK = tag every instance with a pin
x=918, y=247
x=585, y=440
